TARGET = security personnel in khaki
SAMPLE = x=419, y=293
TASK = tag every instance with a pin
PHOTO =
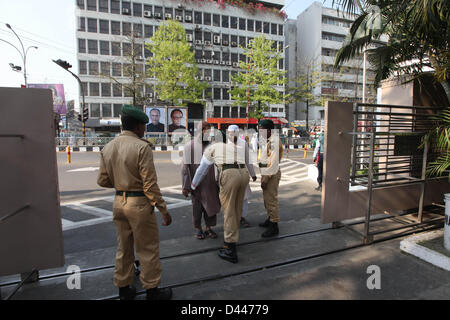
x=126, y=164
x=271, y=155
x=232, y=160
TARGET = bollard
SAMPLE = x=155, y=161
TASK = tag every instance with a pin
x=447, y=222
x=305, y=150
x=68, y=154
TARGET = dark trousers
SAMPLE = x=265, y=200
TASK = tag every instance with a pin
x=320, y=169
x=199, y=212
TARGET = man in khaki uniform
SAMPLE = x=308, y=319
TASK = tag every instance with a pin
x=232, y=160
x=271, y=155
x=126, y=164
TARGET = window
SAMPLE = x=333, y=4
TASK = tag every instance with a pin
x=116, y=69
x=217, y=112
x=241, y=24
x=115, y=6
x=198, y=35
x=208, y=93
x=234, y=41
x=168, y=11
x=234, y=57
x=225, y=75
x=95, y=110
x=225, y=23
x=104, y=47
x=234, y=112
x=126, y=28
x=273, y=28
x=198, y=54
x=103, y=6
x=92, y=25
x=82, y=66
x=82, y=45
x=226, y=94
x=117, y=90
x=207, y=19
x=250, y=25
x=115, y=48
x=137, y=30
x=106, y=107
x=225, y=56
x=126, y=49
x=242, y=42
x=80, y=4
x=93, y=46
x=159, y=11
x=226, y=112
x=198, y=17
x=217, y=94
x=207, y=36
x=148, y=8
x=116, y=112
x=94, y=89
x=258, y=27
x=148, y=31
x=106, y=90
x=332, y=37
x=92, y=5
x=233, y=23
x=188, y=16
x=281, y=64
x=127, y=92
x=266, y=27
x=93, y=68
x=225, y=40
x=126, y=8
x=280, y=30
x=241, y=57
x=216, y=75
x=216, y=55
x=207, y=73
x=82, y=24
x=115, y=27
x=137, y=9
x=105, y=68
x=147, y=53
x=104, y=26
x=216, y=20
x=242, y=112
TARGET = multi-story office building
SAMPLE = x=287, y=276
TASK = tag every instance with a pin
x=215, y=29
x=314, y=39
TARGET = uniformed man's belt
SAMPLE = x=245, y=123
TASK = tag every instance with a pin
x=130, y=193
x=232, y=166
x=263, y=165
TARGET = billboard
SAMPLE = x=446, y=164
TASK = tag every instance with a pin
x=59, y=102
x=157, y=116
x=176, y=118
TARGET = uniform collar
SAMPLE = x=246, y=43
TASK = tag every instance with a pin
x=129, y=134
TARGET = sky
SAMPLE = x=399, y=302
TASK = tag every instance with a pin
x=50, y=25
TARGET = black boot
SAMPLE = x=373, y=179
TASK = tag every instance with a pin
x=127, y=293
x=271, y=231
x=159, y=294
x=265, y=224
x=319, y=188
x=228, y=252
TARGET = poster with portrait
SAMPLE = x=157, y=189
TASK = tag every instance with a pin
x=59, y=100
x=176, y=118
x=157, y=120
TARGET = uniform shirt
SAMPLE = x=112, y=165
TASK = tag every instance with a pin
x=271, y=155
x=319, y=146
x=126, y=164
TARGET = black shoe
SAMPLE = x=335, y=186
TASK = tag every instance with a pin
x=319, y=188
x=271, y=231
x=228, y=252
x=159, y=294
x=127, y=293
x=265, y=224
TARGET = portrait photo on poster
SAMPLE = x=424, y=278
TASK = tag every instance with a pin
x=157, y=119
x=177, y=118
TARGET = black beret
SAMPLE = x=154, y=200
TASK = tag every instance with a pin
x=134, y=112
x=266, y=124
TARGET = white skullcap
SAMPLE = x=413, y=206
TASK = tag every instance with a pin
x=233, y=128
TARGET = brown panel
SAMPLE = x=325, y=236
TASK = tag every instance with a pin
x=33, y=237
x=336, y=162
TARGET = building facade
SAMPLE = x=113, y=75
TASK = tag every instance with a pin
x=215, y=29
x=319, y=34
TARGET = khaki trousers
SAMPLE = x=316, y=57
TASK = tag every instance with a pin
x=137, y=226
x=233, y=183
x=271, y=196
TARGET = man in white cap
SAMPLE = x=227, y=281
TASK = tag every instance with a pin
x=232, y=160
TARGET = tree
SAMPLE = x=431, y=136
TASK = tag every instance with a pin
x=173, y=65
x=133, y=69
x=256, y=87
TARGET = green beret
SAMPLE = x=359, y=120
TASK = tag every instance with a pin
x=266, y=124
x=134, y=112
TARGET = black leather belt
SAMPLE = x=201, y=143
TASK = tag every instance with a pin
x=130, y=193
x=226, y=166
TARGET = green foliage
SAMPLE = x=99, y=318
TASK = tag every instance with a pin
x=256, y=87
x=304, y=87
x=173, y=65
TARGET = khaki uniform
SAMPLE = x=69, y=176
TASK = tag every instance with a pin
x=271, y=175
x=126, y=164
x=232, y=181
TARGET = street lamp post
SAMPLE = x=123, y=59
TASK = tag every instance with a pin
x=66, y=66
x=23, y=54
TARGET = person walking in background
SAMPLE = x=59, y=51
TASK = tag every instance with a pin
x=271, y=155
x=205, y=200
x=232, y=159
x=318, y=159
x=126, y=164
